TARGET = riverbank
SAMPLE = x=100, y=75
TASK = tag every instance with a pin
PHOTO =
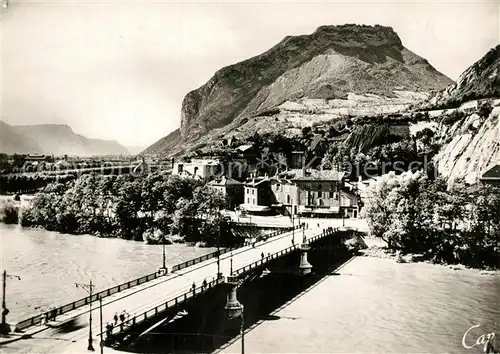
x=377, y=248
x=375, y=305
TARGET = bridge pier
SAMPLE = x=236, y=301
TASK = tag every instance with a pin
x=233, y=307
x=304, y=266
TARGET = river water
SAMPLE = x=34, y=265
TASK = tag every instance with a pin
x=50, y=263
x=370, y=306
x=374, y=305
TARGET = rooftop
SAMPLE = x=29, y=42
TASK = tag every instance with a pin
x=244, y=148
x=312, y=174
x=492, y=174
x=224, y=181
x=205, y=162
x=254, y=182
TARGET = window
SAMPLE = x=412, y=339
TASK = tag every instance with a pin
x=253, y=191
x=331, y=194
x=277, y=187
x=288, y=198
x=319, y=187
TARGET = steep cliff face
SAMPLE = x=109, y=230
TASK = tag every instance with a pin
x=331, y=63
x=473, y=142
x=474, y=146
x=480, y=80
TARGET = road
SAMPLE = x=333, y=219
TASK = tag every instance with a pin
x=144, y=297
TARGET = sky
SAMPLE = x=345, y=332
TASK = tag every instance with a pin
x=119, y=69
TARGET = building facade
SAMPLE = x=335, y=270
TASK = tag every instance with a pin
x=230, y=188
x=320, y=193
x=197, y=168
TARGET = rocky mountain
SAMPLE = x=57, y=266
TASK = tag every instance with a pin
x=56, y=139
x=472, y=145
x=471, y=142
x=480, y=80
x=335, y=64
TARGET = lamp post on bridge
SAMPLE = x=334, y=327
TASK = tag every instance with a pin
x=4, y=326
x=235, y=309
x=231, y=265
x=242, y=330
x=89, y=288
x=293, y=223
x=164, y=257
x=218, y=254
x=101, y=344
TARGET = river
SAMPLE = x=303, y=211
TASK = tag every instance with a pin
x=374, y=305
x=371, y=306
x=50, y=263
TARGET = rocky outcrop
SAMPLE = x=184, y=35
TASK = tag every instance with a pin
x=331, y=63
x=480, y=80
x=473, y=146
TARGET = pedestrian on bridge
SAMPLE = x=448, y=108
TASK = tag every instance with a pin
x=205, y=283
x=115, y=318
x=109, y=329
x=43, y=319
x=122, y=316
x=193, y=287
x=53, y=313
x=262, y=255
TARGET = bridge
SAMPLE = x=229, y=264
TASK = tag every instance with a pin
x=161, y=296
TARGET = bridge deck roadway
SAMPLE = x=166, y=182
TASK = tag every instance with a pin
x=144, y=297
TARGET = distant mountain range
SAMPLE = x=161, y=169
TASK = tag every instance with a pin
x=333, y=64
x=53, y=139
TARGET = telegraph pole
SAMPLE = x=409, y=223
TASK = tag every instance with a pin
x=4, y=326
x=89, y=288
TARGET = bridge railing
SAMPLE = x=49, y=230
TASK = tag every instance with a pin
x=326, y=232
x=281, y=253
x=35, y=320
x=264, y=260
x=137, y=319
x=225, y=250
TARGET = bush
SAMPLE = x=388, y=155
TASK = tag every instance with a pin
x=485, y=110
x=9, y=213
x=355, y=244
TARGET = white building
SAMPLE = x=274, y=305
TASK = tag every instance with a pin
x=198, y=168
